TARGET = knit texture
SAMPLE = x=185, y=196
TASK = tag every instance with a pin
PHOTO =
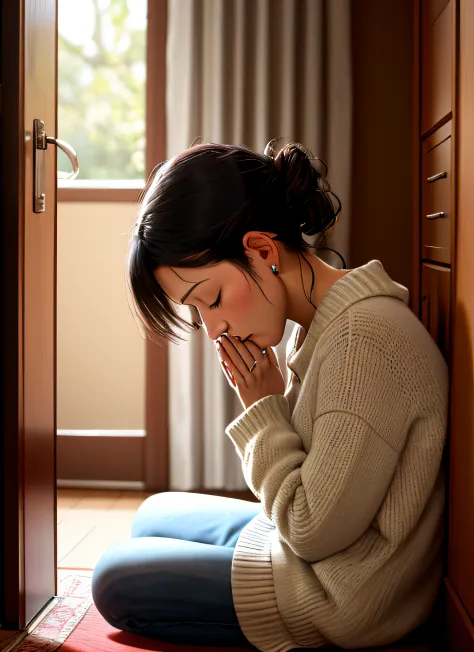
x=347, y=466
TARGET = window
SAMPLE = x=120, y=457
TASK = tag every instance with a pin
x=102, y=91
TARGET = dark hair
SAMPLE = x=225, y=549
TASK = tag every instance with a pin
x=198, y=206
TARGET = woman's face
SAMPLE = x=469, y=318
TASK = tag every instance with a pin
x=229, y=301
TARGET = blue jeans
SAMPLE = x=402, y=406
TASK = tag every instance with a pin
x=172, y=580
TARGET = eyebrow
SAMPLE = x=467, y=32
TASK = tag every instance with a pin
x=190, y=290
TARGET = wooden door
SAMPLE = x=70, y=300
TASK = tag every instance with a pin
x=28, y=258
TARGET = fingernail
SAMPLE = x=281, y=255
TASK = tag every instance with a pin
x=237, y=338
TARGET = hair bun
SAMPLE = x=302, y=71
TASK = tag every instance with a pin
x=308, y=194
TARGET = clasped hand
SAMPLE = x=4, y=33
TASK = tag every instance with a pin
x=236, y=359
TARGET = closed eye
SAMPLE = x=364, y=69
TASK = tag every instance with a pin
x=217, y=302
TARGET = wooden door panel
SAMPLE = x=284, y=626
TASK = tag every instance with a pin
x=40, y=314
x=28, y=62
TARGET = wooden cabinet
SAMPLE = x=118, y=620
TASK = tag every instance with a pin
x=436, y=304
x=436, y=196
x=434, y=223
x=437, y=54
x=444, y=231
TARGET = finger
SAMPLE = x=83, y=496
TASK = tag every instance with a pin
x=225, y=369
x=270, y=353
x=255, y=350
x=272, y=356
x=232, y=367
x=238, y=353
x=228, y=375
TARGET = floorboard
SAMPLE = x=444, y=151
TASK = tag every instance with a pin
x=90, y=521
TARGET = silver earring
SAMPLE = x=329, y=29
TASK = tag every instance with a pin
x=275, y=270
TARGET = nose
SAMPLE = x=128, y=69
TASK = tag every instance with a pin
x=214, y=328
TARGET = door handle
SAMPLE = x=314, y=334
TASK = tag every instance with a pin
x=40, y=144
x=435, y=177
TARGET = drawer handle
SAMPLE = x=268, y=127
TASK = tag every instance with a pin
x=440, y=175
x=435, y=216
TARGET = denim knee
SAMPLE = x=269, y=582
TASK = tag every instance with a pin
x=151, y=507
x=106, y=586
x=140, y=519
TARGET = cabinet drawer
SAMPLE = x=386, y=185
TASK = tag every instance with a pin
x=436, y=205
x=437, y=45
x=431, y=9
x=436, y=304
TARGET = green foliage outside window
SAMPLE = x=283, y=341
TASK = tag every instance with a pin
x=101, y=86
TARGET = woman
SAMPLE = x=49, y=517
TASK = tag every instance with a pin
x=344, y=546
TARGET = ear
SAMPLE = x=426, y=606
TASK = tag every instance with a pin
x=260, y=243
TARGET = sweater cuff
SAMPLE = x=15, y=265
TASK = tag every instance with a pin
x=271, y=409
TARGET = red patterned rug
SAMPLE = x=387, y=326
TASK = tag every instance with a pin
x=75, y=625
x=70, y=608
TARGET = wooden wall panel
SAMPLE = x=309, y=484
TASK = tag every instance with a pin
x=461, y=544
x=382, y=159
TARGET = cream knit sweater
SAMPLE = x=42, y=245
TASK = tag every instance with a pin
x=346, y=550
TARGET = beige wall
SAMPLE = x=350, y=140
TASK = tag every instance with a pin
x=101, y=353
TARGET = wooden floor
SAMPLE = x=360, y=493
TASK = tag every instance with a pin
x=91, y=521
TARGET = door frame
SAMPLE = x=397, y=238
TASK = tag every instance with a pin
x=157, y=449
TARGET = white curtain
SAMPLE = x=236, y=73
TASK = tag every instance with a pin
x=244, y=72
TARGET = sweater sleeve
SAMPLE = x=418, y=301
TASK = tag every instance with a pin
x=324, y=499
